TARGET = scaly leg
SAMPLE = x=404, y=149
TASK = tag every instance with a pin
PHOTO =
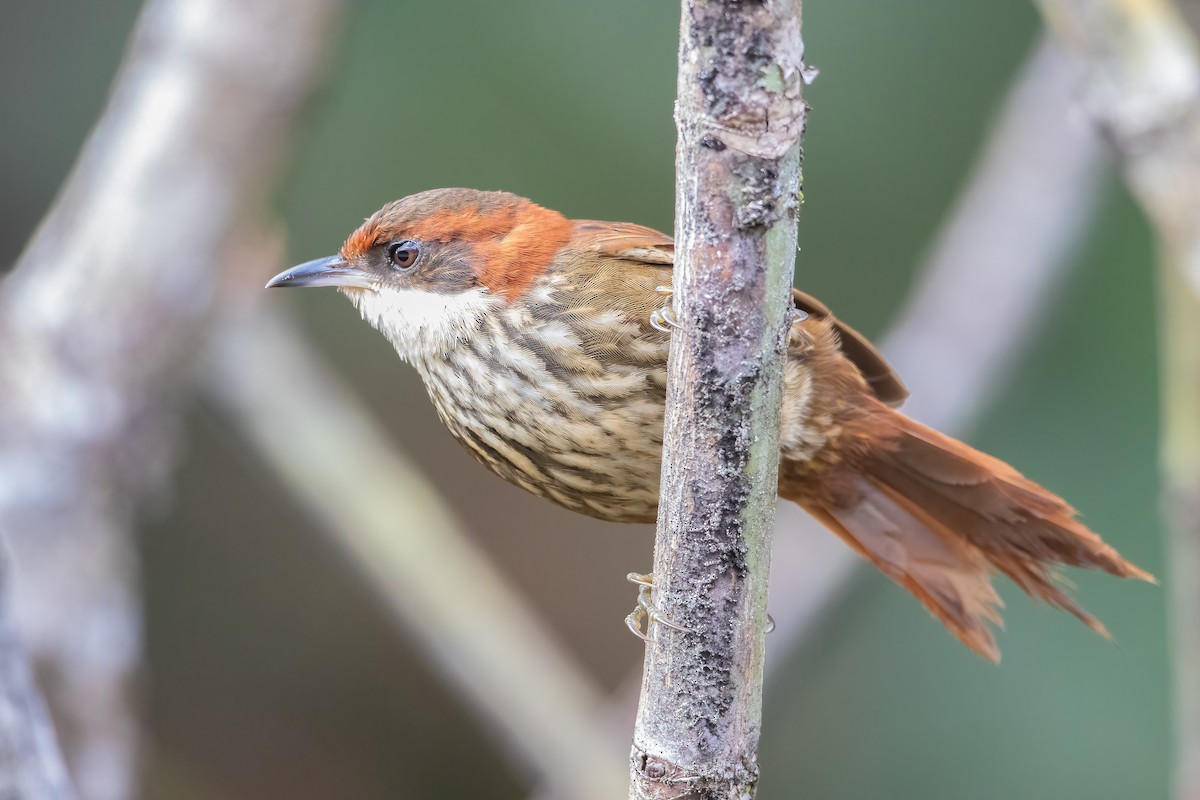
x=663, y=319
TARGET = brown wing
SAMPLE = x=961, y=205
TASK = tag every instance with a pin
x=626, y=241
x=882, y=379
x=630, y=242
x=613, y=284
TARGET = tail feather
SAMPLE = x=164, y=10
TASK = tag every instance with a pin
x=947, y=574
x=937, y=516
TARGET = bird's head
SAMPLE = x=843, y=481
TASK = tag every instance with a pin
x=425, y=270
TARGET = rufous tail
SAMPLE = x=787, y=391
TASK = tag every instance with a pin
x=937, y=516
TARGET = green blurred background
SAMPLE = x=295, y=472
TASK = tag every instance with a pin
x=272, y=671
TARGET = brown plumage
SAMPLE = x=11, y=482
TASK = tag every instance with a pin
x=532, y=334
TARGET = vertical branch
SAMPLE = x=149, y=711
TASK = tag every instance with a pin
x=740, y=115
x=98, y=324
x=1142, y=84
x=1017, y=223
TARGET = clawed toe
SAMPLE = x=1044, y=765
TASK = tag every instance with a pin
x=663, y=319
x=645, y=611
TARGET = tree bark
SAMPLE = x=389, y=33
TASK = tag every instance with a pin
x=100, y=319
x=1142, y=84
x=740, y=115
x=1027, y=205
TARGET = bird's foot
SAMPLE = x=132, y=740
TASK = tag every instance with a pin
x=663, y=319
x=645, y=611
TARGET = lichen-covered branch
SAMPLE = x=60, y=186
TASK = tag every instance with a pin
x=740, y=115
x=98, y=322
x=1016, y=227
x=1141, y=66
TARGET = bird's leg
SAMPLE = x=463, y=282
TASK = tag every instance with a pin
x=645, y=610
x=663, y=319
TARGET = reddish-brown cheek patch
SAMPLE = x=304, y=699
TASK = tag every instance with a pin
x=508, y=265
x=511, y=246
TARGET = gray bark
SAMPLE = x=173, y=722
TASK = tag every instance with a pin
x=98, y=324
x=740, y=115
x=1017, y=226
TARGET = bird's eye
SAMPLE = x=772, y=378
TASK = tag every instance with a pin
x=404, y=254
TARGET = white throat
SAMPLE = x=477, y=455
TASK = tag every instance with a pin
x=422, y=324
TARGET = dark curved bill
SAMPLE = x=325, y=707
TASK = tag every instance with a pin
x=331, y=271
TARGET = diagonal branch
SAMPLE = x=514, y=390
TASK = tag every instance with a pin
x=98, y=323
x=394, y=528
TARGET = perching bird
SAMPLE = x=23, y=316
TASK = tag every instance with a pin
x=533, y=334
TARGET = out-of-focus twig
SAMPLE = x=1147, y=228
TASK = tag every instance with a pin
x=1180, y=336
x=1141, y=67
x=1190, y=9
x=31, y=764
x=995, y=266
x=98, y=321
x=1141, y=84
x=403, y=539
x=990, y=278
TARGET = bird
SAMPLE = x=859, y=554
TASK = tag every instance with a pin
x=542, y=342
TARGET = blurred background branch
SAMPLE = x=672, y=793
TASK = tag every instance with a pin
x=99, y=321
x=1141, y=84
x=407, y=544
x=31, y=764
